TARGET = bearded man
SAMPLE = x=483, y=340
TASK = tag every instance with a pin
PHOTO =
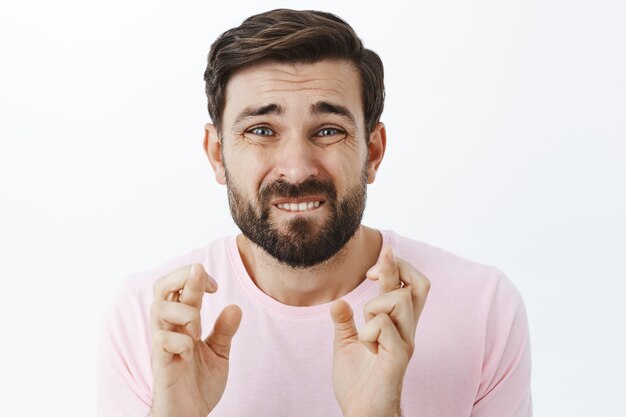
x=262, y=324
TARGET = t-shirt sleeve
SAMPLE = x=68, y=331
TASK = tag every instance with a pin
x=124, y=380
x=504, y=389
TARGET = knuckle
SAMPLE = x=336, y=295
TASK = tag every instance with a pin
x=155, y=309
x=185, y=313
x=195, y=316
x=385, y=320
x=368, y=315
x=388, y=286
x=406, y=296
x=187, y=310
x=187, y=342
x=160, y=337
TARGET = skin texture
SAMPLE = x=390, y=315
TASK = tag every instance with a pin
x=293, y=143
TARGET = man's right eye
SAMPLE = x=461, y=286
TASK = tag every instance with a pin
x=261, y=131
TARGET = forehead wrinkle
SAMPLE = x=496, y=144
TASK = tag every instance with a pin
x=308, y=68
x=282, y=80
x=275, y=90
x=337, y=83
x=311, y=76
x=316, y=81
x=340, y=82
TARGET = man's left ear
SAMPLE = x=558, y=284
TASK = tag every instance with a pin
x=377, y=145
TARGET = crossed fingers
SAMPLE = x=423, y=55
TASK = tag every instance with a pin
x=391, y=318
x=175, y=312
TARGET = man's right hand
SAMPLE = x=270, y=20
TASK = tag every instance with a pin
x=189, y=373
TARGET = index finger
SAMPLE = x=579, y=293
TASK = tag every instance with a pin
x=174, y=282
x=417, y=283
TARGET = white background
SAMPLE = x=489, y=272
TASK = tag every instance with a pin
x=506, y=130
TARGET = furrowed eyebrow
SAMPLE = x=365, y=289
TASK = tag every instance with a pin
x=252, y=111
x=324, y=107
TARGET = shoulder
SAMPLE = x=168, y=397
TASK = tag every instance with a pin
x=439, y=262
x=455, y=280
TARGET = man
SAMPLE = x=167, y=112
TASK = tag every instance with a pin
x=262, y=324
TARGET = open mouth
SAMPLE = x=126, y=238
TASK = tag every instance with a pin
x=299, y=206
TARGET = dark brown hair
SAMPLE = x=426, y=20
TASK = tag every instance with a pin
x=292, y=36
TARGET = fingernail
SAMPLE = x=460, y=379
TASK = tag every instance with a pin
x=212, y=283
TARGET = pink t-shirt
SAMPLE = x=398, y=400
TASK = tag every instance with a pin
x=472, y=351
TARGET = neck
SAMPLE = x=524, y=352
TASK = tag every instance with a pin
x=319, y=284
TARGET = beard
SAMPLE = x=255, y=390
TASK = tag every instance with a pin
x=302, y=243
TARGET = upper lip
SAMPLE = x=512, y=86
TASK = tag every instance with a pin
x=283, y=200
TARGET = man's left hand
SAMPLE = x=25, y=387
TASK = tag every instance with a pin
x=369, y=365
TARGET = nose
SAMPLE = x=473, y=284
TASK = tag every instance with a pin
x=296, y=160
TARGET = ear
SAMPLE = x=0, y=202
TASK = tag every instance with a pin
x=377, y=145
x=213, y=148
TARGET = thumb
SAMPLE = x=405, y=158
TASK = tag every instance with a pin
x=225, y=327
x=345, y=329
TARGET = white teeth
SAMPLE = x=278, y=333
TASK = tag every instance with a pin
x=299, y=207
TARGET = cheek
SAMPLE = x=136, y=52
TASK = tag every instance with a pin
x=351, y=165
x=248, y=176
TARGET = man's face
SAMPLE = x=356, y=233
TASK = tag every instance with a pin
x=295, y=158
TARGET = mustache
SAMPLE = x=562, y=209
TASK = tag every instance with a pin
x=281, y=188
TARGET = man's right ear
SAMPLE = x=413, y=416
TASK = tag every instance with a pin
x=213, y=148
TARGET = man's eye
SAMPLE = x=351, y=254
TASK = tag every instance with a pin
x=329, y=131
x=261, y=131
x=329, y=135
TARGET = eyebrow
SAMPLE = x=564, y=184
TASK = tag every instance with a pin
x=324, y=107
x=253, y=111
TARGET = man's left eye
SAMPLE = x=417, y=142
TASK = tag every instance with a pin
x=329, y=131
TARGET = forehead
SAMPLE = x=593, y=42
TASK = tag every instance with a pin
x=293, y=85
